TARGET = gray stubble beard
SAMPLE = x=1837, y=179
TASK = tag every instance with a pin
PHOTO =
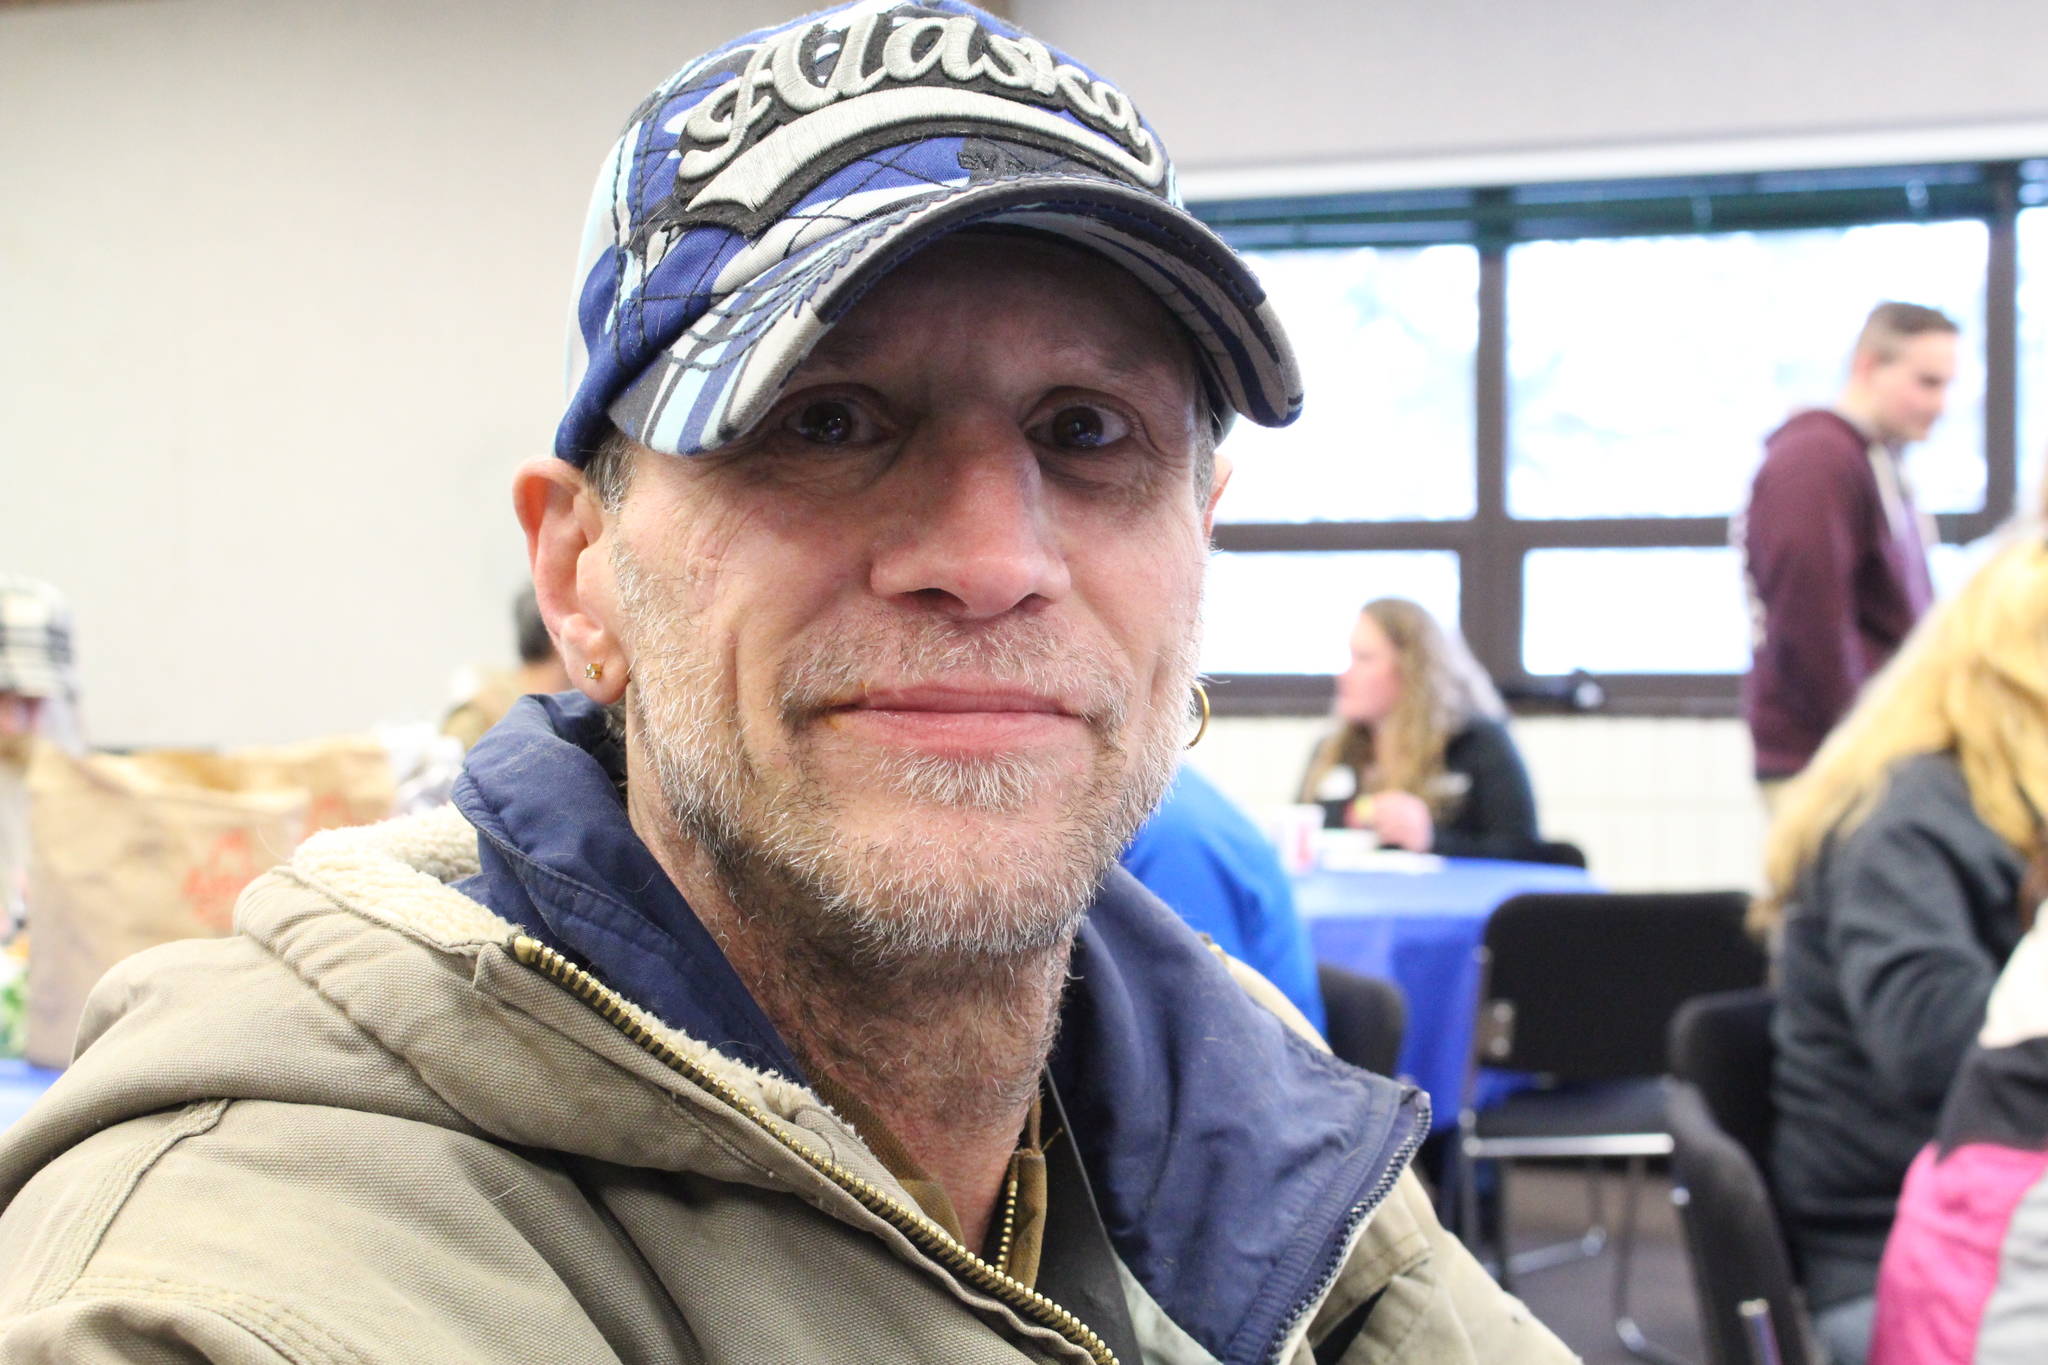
x=926, y=901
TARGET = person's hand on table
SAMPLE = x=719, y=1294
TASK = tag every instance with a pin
x=1402, y=820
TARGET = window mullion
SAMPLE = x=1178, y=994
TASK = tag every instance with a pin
x=1490, y=605
x=2001, y=354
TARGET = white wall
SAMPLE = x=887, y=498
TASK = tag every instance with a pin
x=1422, y=81
x=283, y=287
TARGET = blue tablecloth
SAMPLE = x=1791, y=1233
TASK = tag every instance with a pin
x=1418, y=929
x=21, y=1085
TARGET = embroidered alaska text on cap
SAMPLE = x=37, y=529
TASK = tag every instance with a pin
x=759, y=191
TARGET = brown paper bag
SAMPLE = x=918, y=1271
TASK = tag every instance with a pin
x=129, y=851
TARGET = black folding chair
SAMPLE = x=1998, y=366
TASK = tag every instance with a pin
x=1367, y=1017
x=1558, y=853
x=1721, y=1119
x=1580, y=988
x=1722, y=1044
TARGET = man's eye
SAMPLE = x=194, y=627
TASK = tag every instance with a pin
x=1083, y=427
x=829, y=421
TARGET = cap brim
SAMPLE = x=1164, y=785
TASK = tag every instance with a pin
x=722, y=374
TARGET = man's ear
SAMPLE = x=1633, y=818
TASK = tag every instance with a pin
x=1217, y=480
x=566, y=546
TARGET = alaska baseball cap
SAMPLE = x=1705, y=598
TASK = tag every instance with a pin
x=757, y=193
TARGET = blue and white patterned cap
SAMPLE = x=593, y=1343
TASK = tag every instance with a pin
x=763, y=188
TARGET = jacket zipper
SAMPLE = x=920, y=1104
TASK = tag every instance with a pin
x=1359, y=1213
x=927, y=1236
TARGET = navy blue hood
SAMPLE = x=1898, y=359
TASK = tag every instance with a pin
x=1229, y=1156
x=1230, y=1159
x=560, y=859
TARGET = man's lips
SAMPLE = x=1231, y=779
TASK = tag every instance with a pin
x=961, y=719
x=956, y=700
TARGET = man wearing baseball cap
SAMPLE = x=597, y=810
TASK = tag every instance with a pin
x=775, y=996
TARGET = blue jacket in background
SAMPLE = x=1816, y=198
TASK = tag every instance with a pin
x=1209, y=863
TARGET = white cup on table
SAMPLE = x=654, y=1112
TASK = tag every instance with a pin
x=1293, y=830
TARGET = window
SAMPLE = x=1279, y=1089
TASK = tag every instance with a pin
x=1644, y=371
x=1535, y=409
x=1385, y=339
x=1634, y=611
x=1293, y=613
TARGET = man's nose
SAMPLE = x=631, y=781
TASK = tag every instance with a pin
x=978, y=533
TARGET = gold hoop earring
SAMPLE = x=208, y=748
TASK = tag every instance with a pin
x=1201, y=696
x=593, y=671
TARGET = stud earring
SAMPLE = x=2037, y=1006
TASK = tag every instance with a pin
x=593, y=671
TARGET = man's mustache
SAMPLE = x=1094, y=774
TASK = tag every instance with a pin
x=850, y=659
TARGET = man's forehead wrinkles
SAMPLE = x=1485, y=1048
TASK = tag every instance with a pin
x=1147, y=363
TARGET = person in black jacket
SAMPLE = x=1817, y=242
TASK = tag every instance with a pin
x=1898, y=881
x=1421, y=755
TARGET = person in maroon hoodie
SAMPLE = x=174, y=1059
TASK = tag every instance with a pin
x=1834, y=553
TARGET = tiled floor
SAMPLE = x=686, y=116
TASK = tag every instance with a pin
x=1548, y=1202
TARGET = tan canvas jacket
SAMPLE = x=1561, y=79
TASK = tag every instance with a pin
x=378, y=1125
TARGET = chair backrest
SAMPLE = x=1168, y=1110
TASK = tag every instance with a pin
x=1722, y=1044
x=1367, y=1018
x=1583, y=985
x=1557, y=852
x=1732, y=1238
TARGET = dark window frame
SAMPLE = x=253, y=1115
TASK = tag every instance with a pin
x=1491, y=544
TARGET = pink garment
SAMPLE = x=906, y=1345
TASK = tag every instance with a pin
x=1942, y=1259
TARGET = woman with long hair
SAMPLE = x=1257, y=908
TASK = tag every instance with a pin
x=1420, y=755
x=1898, y=884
